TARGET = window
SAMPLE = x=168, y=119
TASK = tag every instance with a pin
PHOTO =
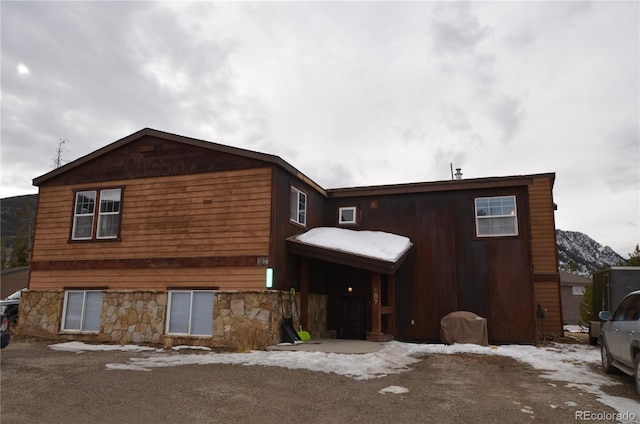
x=629, y=309
x=496, y=216
x=107, y=214
x=578, y=290
x=190, y=312
x=347, y=215
x=82, y=309
x=298, y=206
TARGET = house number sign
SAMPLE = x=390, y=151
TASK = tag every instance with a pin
x=375, y=296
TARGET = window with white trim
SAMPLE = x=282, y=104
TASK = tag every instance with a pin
x=347, y=215
x=496, y=216
x=298, y=206
x=578, y=290
x=190, y=312
x=86, y=214
x=82, y=310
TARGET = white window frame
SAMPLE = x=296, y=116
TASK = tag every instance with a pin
x=578, y=290
x=354, y=209
x=496, y=213
x=190, y=331
x=77, y=215
x=83, y=313
x=297, y=213
x=104, y=214
x=98, y=211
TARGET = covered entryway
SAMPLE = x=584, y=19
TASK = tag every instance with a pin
x=351, y=318
x=379, y=253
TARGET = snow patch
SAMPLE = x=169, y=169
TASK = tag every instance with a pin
x=569, y=364
x=394, y=389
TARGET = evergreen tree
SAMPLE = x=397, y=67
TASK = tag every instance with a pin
x=586, y=306
x=21, y=249
x=634, y=257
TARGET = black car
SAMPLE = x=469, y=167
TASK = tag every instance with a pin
x=4, y=332
x=9, y=307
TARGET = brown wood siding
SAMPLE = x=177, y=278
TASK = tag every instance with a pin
x=548, y=296
x=208, y=216
x=450, y=269
x=151, y=156
x=250, y=278
x=167, y=217
x=543, y=230
x=286, y=265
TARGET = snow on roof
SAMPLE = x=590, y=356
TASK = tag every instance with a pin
x=373, y=244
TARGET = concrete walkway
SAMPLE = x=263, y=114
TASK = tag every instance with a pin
x=332, y=346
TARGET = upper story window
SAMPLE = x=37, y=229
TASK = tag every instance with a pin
x=298, y=206
x=347, y=215
x=496, y=216
x=96, y=214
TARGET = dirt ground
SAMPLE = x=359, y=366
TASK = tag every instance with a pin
x=40, y=385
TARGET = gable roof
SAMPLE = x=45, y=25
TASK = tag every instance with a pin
x=418, y=187
x=568, y=279
x=264, y=157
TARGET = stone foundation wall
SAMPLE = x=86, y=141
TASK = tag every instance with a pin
x=241, y=320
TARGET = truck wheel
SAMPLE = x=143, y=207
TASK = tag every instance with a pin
x=637, y=373
x=593, y=339
x=606, y=357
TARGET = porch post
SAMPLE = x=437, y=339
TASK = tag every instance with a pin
x=391, y=302
x=304, y=292
x=376, y=308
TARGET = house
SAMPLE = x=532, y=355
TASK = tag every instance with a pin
x=12, y=280
x=165, y=239
x=572, y=287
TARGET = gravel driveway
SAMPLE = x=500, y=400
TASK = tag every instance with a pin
x=43, y=385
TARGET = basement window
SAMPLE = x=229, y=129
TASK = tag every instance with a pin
x=190, y=313
x=81, y=310
x=347, y=215
x=496, y=216
x=96, y=214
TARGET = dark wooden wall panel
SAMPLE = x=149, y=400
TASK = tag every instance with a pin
x=450, y=269
x=153, y=157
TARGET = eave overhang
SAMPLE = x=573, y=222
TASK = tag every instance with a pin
x=298, y=247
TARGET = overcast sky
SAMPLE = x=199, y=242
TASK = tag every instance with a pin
x=349, y=93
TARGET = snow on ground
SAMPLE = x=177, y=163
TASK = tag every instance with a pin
x=566, y=364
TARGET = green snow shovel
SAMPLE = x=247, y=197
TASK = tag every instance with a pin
x=304, y=335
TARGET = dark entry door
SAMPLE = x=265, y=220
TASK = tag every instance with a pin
x=351, y=318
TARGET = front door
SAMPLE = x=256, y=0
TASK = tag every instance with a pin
x=351, y=318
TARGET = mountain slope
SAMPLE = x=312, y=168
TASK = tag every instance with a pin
x=10, y=210
x=587, y=254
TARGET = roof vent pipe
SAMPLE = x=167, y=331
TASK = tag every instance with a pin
x=458, y=174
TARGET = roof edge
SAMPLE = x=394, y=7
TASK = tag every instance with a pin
x=269, y=158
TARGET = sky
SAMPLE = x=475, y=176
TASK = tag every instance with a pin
x=566, y=364
x=350, y=93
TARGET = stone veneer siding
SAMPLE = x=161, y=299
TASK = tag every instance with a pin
x=241, y=320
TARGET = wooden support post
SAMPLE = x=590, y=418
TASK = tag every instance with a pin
x=391, y=303
x=376, y=333
x=304, y=292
